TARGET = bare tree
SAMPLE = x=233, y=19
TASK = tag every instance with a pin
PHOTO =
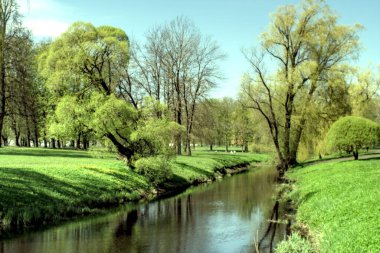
x=178, y=66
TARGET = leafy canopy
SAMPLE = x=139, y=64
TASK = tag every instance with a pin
x=351, y=133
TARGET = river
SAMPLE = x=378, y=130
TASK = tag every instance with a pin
x=229, y=215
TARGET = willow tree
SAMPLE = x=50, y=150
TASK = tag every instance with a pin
x=307, y=43
x=87, y=67
x=83, y=60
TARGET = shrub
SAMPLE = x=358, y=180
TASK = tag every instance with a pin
x=353, y=133
x=155, y=169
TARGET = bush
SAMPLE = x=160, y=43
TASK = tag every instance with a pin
x=294, y=244
x=155, y=169
x=353, y=133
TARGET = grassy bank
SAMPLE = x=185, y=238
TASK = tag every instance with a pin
x=43, y=186
x=338, y=206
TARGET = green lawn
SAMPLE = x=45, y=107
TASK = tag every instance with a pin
x=43, y=185
x=340, y=204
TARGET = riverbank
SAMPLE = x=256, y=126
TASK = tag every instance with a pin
x=39, y=187
x=337, y=207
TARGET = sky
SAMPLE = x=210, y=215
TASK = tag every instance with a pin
x=234, y=24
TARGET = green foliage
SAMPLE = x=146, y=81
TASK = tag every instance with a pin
x=154, y=136
x=112, y=115
x=154, y=132
x=352, y=133
x=294, y=244
x=71, y=117
x=338, y=201
x=155, y=169
x=82, y=57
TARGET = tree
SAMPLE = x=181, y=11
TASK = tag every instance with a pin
x=206, y=122
x=365, y=95
x=224, y=113
x=178, y=66
x=308, y=44
x=8, y=17
x=22, y=105
x=83, y=61
x=87, y=66
x=352, y=133
x=243, y=126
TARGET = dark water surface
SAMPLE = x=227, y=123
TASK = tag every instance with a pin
x=226, y=216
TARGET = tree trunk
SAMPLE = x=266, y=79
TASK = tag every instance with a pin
x=246, y=147
x=2, y=72
x=287, y=128
x=356, y=154
x=179, y=137
x=52, y=143
x=45, y=142
x=210, y=147
x=78, y=141
x=299, y=130
x=188, y=144
x=5, y=140
x=121, y=149
x=17, y=138
x=85, y=143
x=35, y=134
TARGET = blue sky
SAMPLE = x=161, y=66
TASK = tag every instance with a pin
x=234, y=24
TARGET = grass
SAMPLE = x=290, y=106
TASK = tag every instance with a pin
x=43, y=186
x=339, y=204
x=339, y=155
x=202, y=165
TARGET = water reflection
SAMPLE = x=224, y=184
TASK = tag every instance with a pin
x=226, y=216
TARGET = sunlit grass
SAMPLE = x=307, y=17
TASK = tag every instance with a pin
x=204, y=164
x=339, y=202
x=41, y=186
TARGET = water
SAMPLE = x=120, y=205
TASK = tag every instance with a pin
x=230, y=215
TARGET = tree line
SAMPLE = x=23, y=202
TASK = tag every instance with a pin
x=152, y=98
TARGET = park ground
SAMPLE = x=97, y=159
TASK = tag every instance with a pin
x=337, y=207
x=45, y=186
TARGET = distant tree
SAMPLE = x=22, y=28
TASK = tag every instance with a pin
x=243, y=126
x=365, y=98
x=352, y=133
x=8, y=18
x=205, y=125
x=22, y=103
x=178, y=65
x=224, y=111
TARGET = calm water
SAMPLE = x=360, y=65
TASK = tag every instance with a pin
x=226, y=216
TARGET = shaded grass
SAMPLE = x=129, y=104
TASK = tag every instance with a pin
x=339, y=203
x=43, y=186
